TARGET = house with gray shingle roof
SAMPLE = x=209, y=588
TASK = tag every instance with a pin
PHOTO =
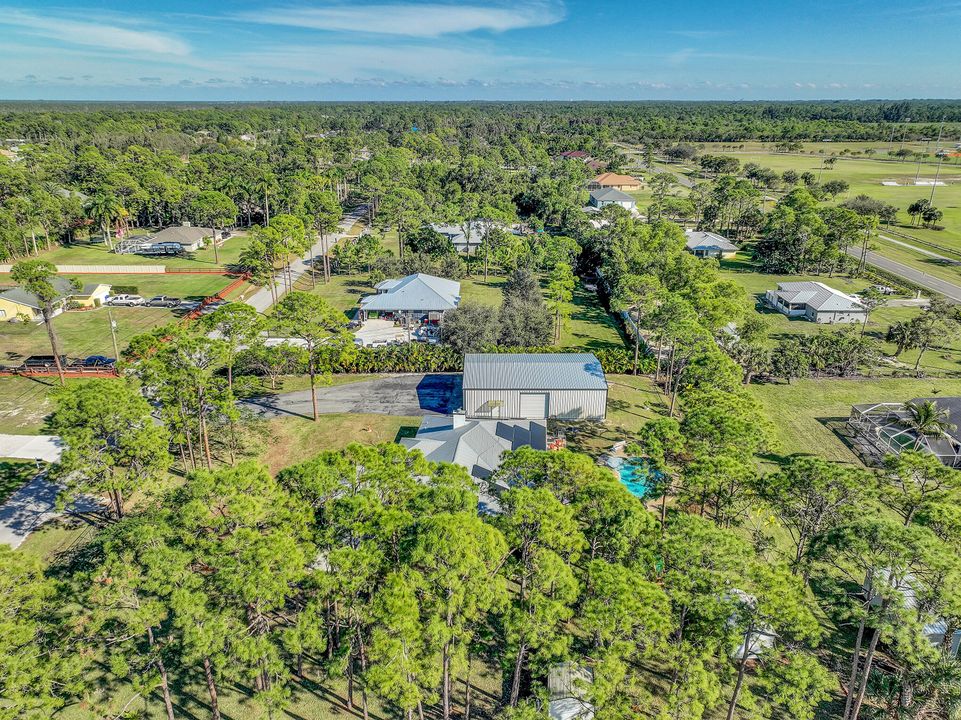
x=476, y=445
x=602, y=197
x=708, y=244
x=816, y=302
x=17, y=302
x=189, y=237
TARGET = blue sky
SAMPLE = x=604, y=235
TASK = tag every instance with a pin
x=477, y=49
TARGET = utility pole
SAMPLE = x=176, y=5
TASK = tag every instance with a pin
x=113, y=334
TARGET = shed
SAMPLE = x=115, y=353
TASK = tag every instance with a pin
x=569, y=386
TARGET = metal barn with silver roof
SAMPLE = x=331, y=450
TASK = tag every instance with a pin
x=569, y=386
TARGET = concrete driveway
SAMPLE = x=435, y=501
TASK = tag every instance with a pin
x=380, y=331
x=411, y=395
x=33, y=505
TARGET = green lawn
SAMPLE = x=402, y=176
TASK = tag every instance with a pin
x=806, y=413
x=191, y=287
x=293, y=439
x=25, y=403
x=83, y=253
x=80, y=333
x=88, y=332
x=632, y=400
x=943, y=359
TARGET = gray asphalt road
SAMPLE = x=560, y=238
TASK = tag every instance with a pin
x=949, y=290
x=411, y=395
x=261, y=300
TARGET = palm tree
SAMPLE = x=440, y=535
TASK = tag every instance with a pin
x=106, y=210
x=926, y=419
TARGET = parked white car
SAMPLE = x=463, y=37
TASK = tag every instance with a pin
x=125, y=300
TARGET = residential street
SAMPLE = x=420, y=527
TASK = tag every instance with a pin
x=949, y=290
x=394, y=395
x=261, y=300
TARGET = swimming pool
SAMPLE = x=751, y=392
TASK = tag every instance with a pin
x=634, y=474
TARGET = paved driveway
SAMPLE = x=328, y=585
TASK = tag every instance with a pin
x=33, y=505
x=411, y=395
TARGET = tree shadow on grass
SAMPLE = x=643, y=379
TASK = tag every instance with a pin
x=406, y=431
x=859, y=448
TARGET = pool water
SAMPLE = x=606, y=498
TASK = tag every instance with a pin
x=634, y=474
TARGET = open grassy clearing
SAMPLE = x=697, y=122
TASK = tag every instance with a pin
x=290, y=440
x=182, y=285
x=865, y=175
x=943, y=359
x=880, y=147
x=83, y=253
x=805, y=412
x=632, y=400
x=25, y=403
x=80, y=333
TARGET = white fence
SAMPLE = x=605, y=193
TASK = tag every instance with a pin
x=104, y=269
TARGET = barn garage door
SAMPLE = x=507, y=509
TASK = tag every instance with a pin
x=534, y=406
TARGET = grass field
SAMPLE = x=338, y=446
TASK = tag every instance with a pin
x=632, y=400
x=804, y=412
x=945, y=358
x=864, y=173
x=292, y=440
x=83, y=253
x=88, y=332
x=79, y=333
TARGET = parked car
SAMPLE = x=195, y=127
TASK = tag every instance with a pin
x=884, y=289
x=125, y=300
x=43, y=361
x=94, y=361
x=163, y=301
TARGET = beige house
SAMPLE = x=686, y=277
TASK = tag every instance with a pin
x=616, y=181
x=17, y=302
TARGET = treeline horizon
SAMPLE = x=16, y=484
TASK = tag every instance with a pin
x=632, y=121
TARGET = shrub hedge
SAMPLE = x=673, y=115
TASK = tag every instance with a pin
x=421, y=358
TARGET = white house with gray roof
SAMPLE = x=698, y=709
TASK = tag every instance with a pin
x=602, y=197
x=412, y=297
x=817, y=302
x=569, y=386
x=708, y=245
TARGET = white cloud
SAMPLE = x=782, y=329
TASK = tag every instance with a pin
x=95, y=34
x=413, y=20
